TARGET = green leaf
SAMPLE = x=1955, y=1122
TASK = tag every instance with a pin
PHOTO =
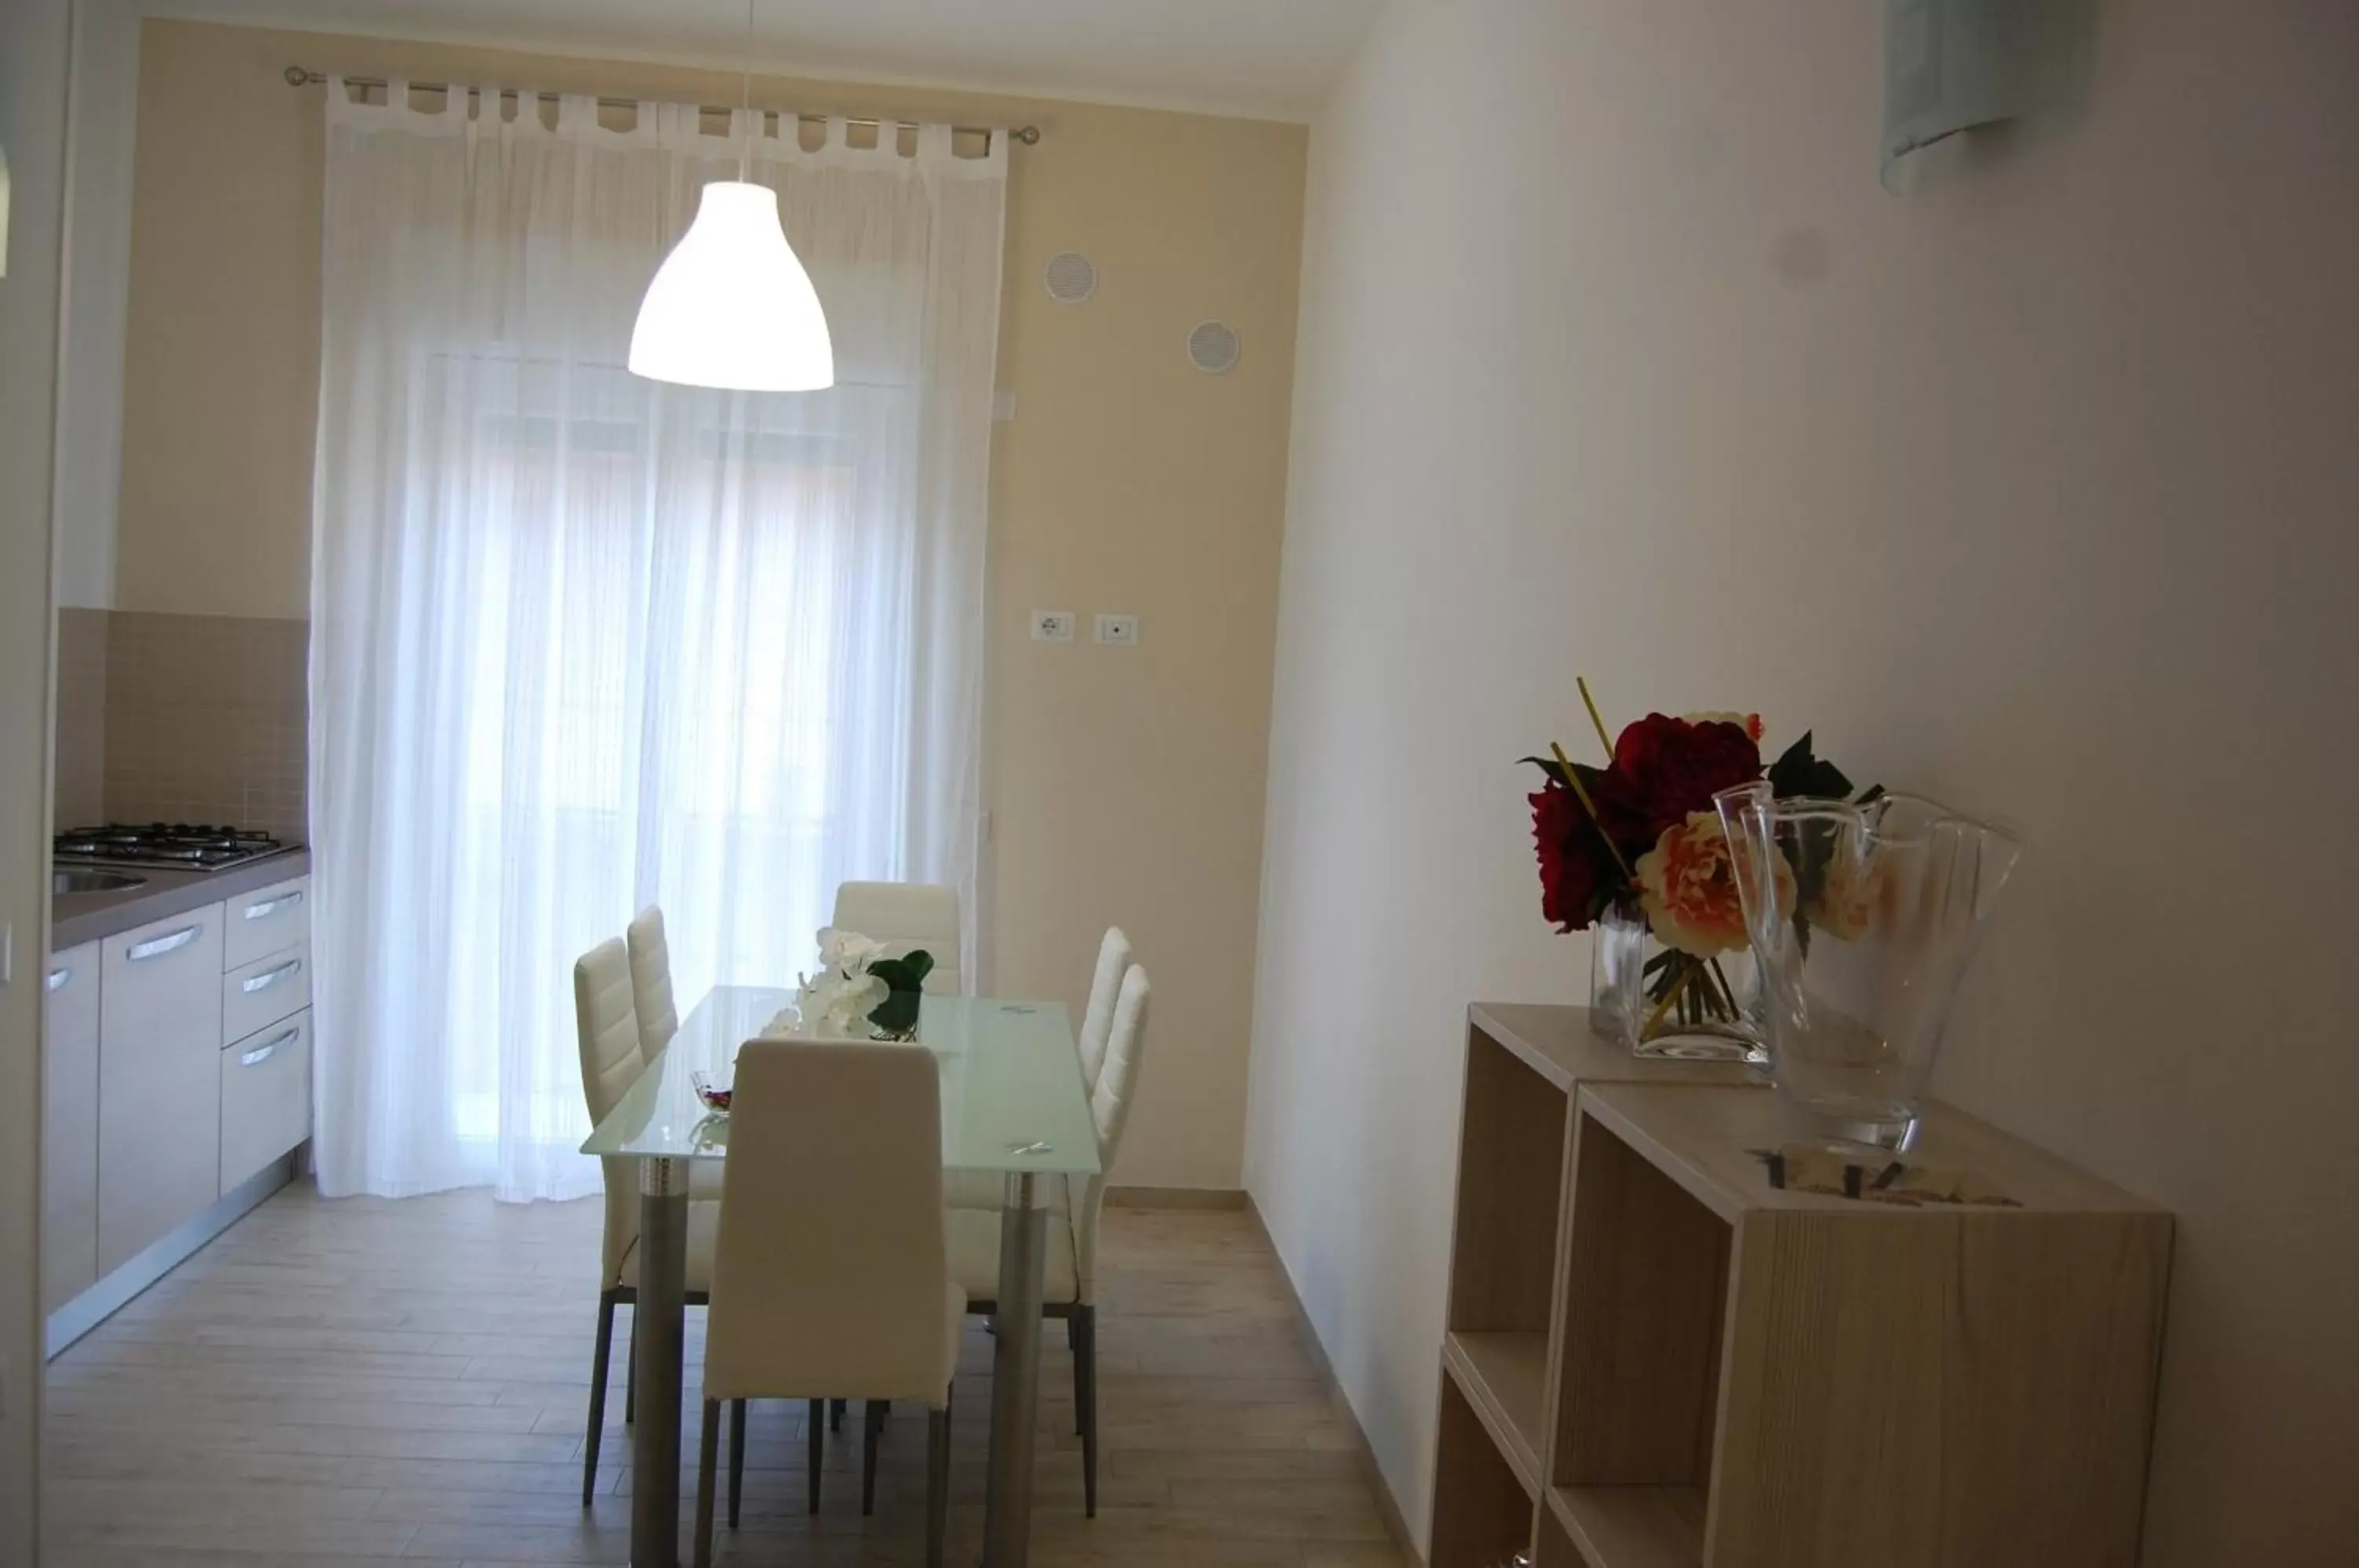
x=1800, y=772
x=897, y=1013
x=907, y=973
x=1548, y=764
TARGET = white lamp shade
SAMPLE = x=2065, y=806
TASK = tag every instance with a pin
x=731, y=305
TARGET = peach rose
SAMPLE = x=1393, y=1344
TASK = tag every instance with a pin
x=1847, y=906
x=1687, y=885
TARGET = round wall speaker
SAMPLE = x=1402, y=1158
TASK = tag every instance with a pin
x=1072, y=277
x=1212, y=348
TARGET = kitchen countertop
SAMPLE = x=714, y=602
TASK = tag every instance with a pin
x=78, y=918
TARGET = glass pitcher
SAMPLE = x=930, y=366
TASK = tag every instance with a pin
x=1864, y=916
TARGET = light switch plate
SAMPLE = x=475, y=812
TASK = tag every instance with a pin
x=1119, y=630
x=1053, y=626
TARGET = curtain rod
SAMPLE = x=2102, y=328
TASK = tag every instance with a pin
x=297, y=76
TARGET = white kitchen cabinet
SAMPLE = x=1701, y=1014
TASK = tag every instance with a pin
x=265, y=991
x=159, y=1079
x=265, y=1097
x=267, y=920
x=70, y=1126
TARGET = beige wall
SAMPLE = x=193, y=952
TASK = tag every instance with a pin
x=2033, y=490
x=33, y=53
x=1124, y=784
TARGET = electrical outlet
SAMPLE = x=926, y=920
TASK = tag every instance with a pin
x=1119, y=630
x=1052, y=625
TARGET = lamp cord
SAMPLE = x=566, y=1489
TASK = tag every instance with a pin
x=745, y=103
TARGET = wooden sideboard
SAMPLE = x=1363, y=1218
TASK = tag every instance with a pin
x=1655, y=1356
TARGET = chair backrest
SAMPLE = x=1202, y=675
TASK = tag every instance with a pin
x=1110, y=1102
x=607, y=1018
x=651, y=982
x=606, y=1024
x=906, y=915
x=1117, y=1084
x=1097, y=1020
x=830, y=1277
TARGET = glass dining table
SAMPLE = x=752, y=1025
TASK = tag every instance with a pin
x=1012, y=1104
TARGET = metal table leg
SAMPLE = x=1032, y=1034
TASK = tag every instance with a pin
x=660, y=1326
x=1014, y=1374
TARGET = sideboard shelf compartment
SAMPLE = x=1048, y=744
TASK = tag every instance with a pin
x=1673, y=1342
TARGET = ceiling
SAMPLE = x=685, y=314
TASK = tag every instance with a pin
x=1267, y=57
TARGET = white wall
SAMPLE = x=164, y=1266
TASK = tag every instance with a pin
x=98, y=270
x=33, y=52
x=2033, y=489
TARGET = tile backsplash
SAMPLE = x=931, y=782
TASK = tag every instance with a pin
x=81, y=717
x=202, y=719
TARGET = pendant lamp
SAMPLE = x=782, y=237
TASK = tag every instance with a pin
x=731, y=307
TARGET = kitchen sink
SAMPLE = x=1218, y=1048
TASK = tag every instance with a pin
x=93, y=882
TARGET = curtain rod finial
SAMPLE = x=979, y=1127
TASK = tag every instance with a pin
x=295, y=76
x=1028, y=134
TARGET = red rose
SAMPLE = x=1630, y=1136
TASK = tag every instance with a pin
x=1578, y=874
x=1666, y=768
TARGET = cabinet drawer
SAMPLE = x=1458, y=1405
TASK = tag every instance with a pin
x=266, y=991
x=266, y=1097
x=269, y=919
x=158, y=1080
x=70, y=1126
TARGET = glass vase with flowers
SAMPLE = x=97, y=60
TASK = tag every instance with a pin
x=1636, y=851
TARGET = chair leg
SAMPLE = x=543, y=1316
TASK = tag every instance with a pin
x=707, y=1451
x=1085, y=1399
x=873, y=1425
x=600, y=1359
x=938, y=1480
x=736, y=1457
x=631, y=1372
x=818, y=1423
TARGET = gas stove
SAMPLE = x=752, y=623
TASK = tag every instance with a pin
x=163, y=846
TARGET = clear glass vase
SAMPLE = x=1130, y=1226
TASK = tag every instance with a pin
x=1665, y=1004
x=1863, y=916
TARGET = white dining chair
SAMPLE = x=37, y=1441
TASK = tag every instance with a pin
x=606, y=1025
x=651, y=981
x=1069, y=1288
x=846, y=1299
x=980, y=1190
x=651, y=996
x=904, y=916
x=1097, y=1017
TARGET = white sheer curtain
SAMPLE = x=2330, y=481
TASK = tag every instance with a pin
x=581, y=642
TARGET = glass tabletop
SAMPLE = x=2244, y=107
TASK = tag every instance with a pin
x=1012, y=1092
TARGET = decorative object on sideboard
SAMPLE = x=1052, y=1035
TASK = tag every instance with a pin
x=1635, y=851
x=1864, y=916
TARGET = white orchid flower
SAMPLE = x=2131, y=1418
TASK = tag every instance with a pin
x=848, y=952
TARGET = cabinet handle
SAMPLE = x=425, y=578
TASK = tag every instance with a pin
x=58, y=976
x=270, y=977
x=155, y=947
x=272, y=906
x=267, y=1049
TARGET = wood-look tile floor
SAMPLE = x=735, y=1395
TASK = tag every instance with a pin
x=366, y=1382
